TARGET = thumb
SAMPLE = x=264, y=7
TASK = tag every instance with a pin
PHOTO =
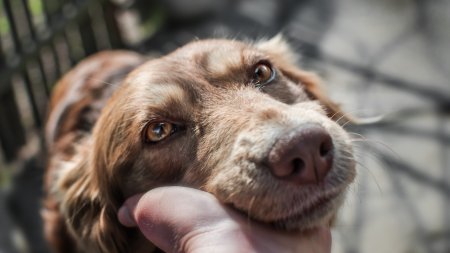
x=167, y=215
x=125, y=213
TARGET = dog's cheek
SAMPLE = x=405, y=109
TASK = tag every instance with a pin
x=313, y=109
x=344, y=170
x=239, y=178
x=157, y=167
x=236, y=184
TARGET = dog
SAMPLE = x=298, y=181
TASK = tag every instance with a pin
x=239, y=120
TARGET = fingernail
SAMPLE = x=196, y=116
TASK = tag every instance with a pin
x=125, y=217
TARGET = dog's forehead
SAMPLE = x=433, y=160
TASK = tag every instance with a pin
x=194, y=69
x=209, y=47
x=218, y=57
x=199, y=61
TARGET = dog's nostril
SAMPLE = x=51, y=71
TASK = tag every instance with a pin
x=297, y=166
x=326, y=147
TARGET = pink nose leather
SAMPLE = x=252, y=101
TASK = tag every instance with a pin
x=306, y=158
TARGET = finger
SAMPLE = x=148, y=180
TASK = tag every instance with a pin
x=317, y=240
x=125, y=215
x=166, y=215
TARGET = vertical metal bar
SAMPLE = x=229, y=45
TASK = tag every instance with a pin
x=12, y=26
x=50, y=20
x=35, y=40
x=72, y=57
x=109, y=11
x=12, y=134
x=2, y=55
x=47, y=14
x=28, y=19
x=43, y=75
x=19, y=50
x=34, y=105
x=87, y=35
x=55, y=60
x=86, y=31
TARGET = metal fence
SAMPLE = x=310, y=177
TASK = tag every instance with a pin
x=39, y=40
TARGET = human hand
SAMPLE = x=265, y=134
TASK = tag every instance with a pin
x=180, y=219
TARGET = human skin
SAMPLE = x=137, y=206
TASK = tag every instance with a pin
x=180, y=219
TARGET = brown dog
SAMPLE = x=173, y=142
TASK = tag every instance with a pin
x=238, y=120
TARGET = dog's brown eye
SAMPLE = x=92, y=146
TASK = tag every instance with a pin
x=263, y=74
x=158, y=131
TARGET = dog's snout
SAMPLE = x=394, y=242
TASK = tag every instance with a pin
x=304, y=158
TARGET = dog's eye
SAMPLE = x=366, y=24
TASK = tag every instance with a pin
x=158, y=131
x=263, y=74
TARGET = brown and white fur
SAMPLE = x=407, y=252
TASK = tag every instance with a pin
x=233, y=138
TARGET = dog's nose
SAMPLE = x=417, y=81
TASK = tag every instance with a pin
x=304, y=158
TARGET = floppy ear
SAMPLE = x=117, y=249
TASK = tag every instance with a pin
x=287, y=60
x=90, y=216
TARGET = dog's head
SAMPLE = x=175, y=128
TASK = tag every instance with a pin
x=235, y=119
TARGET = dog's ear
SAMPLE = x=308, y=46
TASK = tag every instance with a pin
x=90, y=216
x=286, y=60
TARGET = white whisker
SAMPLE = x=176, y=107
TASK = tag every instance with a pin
x=382, y=144
x=102, y=81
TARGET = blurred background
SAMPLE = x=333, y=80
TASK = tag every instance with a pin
x=385, y=59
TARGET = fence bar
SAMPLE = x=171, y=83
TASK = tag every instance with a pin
x=31, y=96
x=87, y=36
x=35, y=40
x=29, y=19
x=109, y=11
x=49, y=20
x=12, y=134
x=12, y=26
x=55, y=60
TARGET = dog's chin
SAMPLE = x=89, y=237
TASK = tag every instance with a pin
x=317, y=213
x=320, y=212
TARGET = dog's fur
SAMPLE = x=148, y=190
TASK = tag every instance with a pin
x=98, y=156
